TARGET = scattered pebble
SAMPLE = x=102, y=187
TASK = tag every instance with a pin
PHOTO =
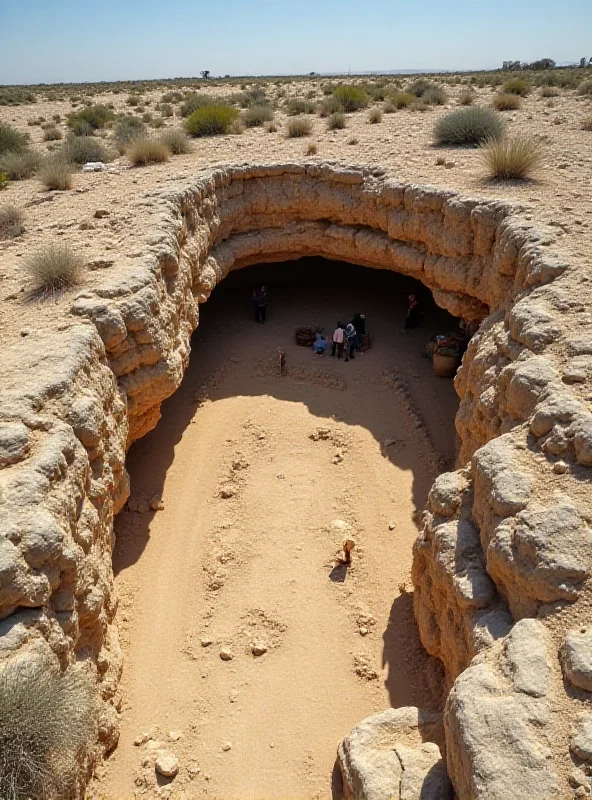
x=560, y=467
x=174, y=736
x=226, y=747
x=226, y=654
x=167, y=764
x=364, y=631
x=205, y=641
x=258, y=648
x=392, y=526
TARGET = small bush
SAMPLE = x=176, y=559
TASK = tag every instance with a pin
x=177, y=142
x=434, y=96
x=11, y=222
x=401, y=99
x=469, y=126
x=57, y=174
x=12, y=141
x=194, y=101
x=300, y=126
x=133, y=100
x=518, y=86
x=20, y=166
x=82, y=149
x=336, y=122
x=352, y=140
x=587, y=124
x=165, y=110
x=270, y=127
x=211, y=120
x=419, y=87
x=171, y=97
x=80, y=127
x=255, y=116
x=126, y=130
x=148, y=151
x=3, y=181
x=466, y=97
x=506, y=102
x=419, y=105
x=518, y=158
x=296, y=105
x=330, y=105
x=52, y=134
x=252, y=97
x=95, y=116
x=312, y=149
x=585, y=88
x=351, y=97
x=47, y=723
x=549, y=91
x=374, y=116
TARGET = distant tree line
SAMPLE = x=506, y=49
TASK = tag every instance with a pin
x=543, y=63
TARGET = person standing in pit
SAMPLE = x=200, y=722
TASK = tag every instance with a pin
x=412, y=316
x=260, y=303
x=338, y=336
x=351, y=344
x=359, y=323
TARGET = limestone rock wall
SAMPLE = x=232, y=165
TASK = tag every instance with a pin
x=506, y=538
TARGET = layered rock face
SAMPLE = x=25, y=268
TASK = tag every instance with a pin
x=506, y=538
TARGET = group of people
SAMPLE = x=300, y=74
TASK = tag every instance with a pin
x=346, y=340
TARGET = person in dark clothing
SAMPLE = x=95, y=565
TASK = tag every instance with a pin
x=351, y=344
x=260, y=303
x=412, y=316
x=359, y=323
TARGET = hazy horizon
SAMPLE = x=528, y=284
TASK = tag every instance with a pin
x=65, y=42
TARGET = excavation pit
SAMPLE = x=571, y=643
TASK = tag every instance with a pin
x=501, y=565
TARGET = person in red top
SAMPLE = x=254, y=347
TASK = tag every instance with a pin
x=412, y=316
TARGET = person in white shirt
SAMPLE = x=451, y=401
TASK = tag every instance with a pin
x=337, y=346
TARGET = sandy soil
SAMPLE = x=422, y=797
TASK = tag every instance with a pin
x=261, y=479
x=402, y=142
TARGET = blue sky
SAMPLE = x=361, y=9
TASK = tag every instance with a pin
x=77, y=40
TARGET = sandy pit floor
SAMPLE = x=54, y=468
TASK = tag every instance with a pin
x=261, y=479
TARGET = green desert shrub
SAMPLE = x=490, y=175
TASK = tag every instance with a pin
x=12, y=141
x=336, y=122
x=330, y=105
x=587, y=124
x=519, y=86
x=177, y=141
x=126, y=130
x=96, y=116
x=312, y=149
x=144, y=151
x=351, y=97
x=171, y=97
x=211, y=120
x=47, y=724
x=549, y=91
x=56, y=267
x=20, y=166
x=255, y=116
x=52, y=134
x=469, y=126
x=81, y=127
x=57, y=174
x=133, y=100
x=11, y=224
x=466, y=97
x=374, y=116
x=82, y=149
x=194, y=101
x=585, y=88
x=434, y=96
x=299, y=126
x=506, y=102
x=419, y=87
x=252, y=97
x=518, y=158
x=297, y=105
x=401, y=99
x=164, y=109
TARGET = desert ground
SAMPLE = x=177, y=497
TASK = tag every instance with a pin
x=249, y=651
